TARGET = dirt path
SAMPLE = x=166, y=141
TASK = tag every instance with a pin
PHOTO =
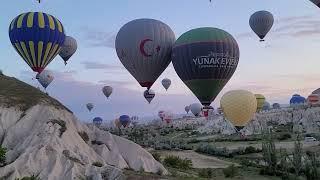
x=199, y=160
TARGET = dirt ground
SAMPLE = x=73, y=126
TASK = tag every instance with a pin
x=199, y=160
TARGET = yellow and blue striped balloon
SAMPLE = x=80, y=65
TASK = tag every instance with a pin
x=37, y=37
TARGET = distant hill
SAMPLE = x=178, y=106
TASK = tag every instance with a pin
x=14, y=92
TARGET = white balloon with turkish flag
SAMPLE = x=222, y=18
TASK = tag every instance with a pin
x=144, y=47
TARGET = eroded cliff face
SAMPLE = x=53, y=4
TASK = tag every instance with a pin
x=51, y=142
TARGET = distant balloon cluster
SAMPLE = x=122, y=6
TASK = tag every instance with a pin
x=204, y=58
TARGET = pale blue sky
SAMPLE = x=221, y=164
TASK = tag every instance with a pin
x=286, y=63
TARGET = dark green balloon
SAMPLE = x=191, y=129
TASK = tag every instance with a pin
x=205, y=59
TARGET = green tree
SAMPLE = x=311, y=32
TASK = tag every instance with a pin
x=269, y=152
x=3, y=152
x=296, y=159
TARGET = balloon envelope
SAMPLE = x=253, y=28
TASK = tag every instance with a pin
x=37, y=37
x=260, y=101
x=239, y=107
x=316, y=2
x=144, y=48
x=261, y=22
x=107, y=91
x=187, y=109
x=166, y=83
x=297, y=99
x=276, y=106
x=161, y=114
x=90, y=106
x=149, y=95
x=205, y=59
x=313, y=99
x=97, y=121
x=69, y=47
x=196, y=108
x=125, y=120
x=45, y=78
x=266, y=106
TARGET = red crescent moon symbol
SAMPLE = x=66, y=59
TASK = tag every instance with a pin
x=142, y=44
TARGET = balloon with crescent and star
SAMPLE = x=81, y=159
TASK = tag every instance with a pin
x=144, y=48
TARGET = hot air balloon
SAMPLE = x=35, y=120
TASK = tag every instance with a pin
x=144, y=48
x=117, y=123
x=316, y=2
x=187, y=109
x=260, y=101
x=266, y=106
x=196, y=109
x=161, y=114
x=207, y=110
x=238, y=107
x=296, y=99
x=125, y=120
x=276, y=106
x=45, y=78
x=107, y=91
x=90, y=106
x=166, y=83
x=149, y=95
x=97, y=121
x=68, y=48
x=37, y=37
x=168, y=117
x=205, y=59
x=317, y=91
x=261, y=22
x=313, y=99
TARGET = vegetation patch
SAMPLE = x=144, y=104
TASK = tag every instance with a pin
x=84, y=136
x=95, y=142
x=157, y=156
x=177, y=162
x=98, y=164
x=230, y=171
x=33, y=177
x=62, y=124
x=206, y=173
x=66, y=153
x=3, y=152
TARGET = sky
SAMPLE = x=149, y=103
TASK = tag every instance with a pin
x=287, y=63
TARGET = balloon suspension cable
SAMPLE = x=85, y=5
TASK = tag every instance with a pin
x=65, y=63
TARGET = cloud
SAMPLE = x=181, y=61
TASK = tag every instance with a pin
x=98, y=65
x=98, y=38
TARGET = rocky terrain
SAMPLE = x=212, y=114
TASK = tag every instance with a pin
x=44, y=138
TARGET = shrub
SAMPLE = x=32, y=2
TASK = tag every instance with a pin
x=205, y=173
x=230, y=171
x=3, y=152
x=98, y=164
x=284, y=136
x=177, y=162
x=94, y=142
x=251, y=149
x=84, y=136
x=33, y=177
x=156, y=156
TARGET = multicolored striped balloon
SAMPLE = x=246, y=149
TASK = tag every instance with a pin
x=37, y=37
